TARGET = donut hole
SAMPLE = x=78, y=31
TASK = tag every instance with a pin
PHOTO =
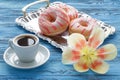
x=52, y=18
x=84, y=23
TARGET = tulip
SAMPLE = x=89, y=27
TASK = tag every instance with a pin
x=86, y=54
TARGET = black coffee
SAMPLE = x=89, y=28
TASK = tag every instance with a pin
x=26, y=41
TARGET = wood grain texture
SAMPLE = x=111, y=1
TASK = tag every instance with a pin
x=105, y=10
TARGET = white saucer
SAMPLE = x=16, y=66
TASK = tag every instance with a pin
x=12, y=60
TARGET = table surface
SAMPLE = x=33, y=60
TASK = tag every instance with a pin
x=105, y=10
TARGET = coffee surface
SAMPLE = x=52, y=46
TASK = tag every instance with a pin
x=26, y=41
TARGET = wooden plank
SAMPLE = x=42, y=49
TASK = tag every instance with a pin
x=105, y=10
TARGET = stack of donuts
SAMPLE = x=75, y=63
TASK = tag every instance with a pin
x=57, y=19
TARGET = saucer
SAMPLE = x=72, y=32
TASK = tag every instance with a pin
x=11, y=58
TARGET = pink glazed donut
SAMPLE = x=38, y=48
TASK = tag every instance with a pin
x=53, y=21
x=83, y=25
x=71, y=11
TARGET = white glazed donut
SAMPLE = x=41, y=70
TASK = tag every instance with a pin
x=53, y=21
x=83, y=25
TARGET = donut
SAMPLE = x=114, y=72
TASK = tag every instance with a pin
x=71, y=11
x=82, y=25
x=53, y=21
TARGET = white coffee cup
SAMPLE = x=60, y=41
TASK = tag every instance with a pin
x=25, y=46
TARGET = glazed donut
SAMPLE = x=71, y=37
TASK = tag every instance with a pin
x=53, y=21
x=83, y=25
x=71, y=11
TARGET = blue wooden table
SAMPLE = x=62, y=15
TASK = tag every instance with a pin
x=105, y=10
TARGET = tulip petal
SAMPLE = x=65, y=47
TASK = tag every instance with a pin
x=107, y=52
x=82, y=65
x=99, y=66
x=76, y=40
x=96, y=38
x=70, y=56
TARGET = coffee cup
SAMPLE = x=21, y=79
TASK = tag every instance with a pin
x=25, y=46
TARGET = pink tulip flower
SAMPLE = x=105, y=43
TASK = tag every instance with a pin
x=85, y=55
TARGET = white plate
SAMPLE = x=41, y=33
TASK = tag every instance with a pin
x=11, y=58
x=30, y=22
